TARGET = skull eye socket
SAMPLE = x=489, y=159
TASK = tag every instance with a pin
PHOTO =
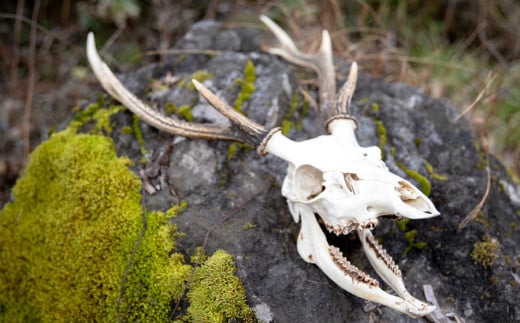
x=308, y=180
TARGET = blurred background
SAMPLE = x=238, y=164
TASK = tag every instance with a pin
x=466, y=51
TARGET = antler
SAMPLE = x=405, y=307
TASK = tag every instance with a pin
x=241, y=130
x=332, y=106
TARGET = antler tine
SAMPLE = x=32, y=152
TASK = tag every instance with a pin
x=321, y=62
x=341, y=106
x=242, y=130
x=331, y=107
x=253, y=132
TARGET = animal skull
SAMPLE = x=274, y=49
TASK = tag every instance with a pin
x=330, y=178
x=347, y=187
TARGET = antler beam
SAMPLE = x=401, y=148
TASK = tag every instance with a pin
x=242, y=129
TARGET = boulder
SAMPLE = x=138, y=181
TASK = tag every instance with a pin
x=234, y=200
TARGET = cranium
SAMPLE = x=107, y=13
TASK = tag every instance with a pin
x=330, y=178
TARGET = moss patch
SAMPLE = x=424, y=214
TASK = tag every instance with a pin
x=485, y=252
x=287, y=122
x=67, y=239
x=200, y=76
x=183, y=111
x=382, y=135
x=433, y=174
x=216, y=294
x=410, y=236
x=97, y=113
x=247, y=85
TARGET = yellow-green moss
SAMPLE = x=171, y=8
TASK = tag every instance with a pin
x=375, y=107
x=248, y=85
x=433, y=174
x=200, y=76
x=139, y=137
x=418, y=142
x=249, y=226
x=382, y=135
x=97, y=113
x=410, y=236
x=485, y=252
x=216, y=294
x=68, y=236
x=235, y=147
x=287, y=123
x=183, y=111
x=424, y=184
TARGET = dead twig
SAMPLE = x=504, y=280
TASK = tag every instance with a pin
x=32, y=81
x=473, y=214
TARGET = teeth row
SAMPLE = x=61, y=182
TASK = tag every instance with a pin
x=345, y=229
x=383, y=255
x=349, y=269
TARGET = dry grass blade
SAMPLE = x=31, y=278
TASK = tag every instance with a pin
x=489, y=79
x=476, y=210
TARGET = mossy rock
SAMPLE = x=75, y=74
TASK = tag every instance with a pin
x=67, y=239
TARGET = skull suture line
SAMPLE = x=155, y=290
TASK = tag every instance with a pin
x=330, y=178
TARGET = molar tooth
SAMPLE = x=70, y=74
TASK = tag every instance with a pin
x=382, y=254
x=349, y=269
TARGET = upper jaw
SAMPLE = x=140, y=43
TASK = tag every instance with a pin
x=349, y=226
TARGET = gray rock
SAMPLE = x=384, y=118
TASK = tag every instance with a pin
x=235, y=203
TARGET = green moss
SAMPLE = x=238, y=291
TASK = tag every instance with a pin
x=183, y=111
x=410, y=236
x=249, y=226
x=382, y=135
x=485, y=252
x=287, y=123
x=248, y=85
x=97, y=113
x=424, y=184
x=127, y=130
x=235, y=147
x=418, y=142
x=216, y=294
x=375, y=107
x=139, y=136
x=67, y=239
x=433, y=174
x=200, y=76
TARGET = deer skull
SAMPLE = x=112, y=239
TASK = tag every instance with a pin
x=330, y=178
x=347, y=187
